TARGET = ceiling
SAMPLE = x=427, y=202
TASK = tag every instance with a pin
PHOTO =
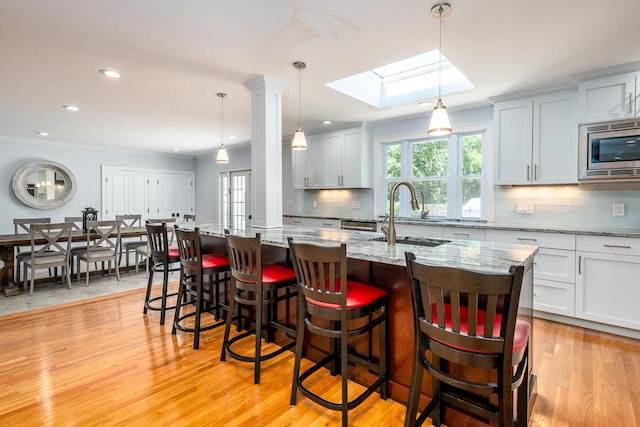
x=176, y=55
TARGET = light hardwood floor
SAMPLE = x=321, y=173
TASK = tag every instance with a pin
x=101, y=362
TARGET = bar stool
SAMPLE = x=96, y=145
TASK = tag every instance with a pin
x=194, y=266
x=327, y=302
x=256, y=285
x=161, y=257
x=470, y=319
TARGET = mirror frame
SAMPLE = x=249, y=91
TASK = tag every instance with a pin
x=19, y=184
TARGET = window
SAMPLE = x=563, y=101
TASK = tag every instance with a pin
x=447, y=172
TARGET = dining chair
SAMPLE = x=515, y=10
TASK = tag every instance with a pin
x=468, y=319
x=334, y=307
x=22, y=226
x=53, y=253
x=257, y=286
x=130, y=221
x=103, y=242
x=199, y=273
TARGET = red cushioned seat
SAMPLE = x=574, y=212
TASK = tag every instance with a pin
x=214, y=261
x=520, y=338
x=174, y=253
x=273, y=273
x=358, y=295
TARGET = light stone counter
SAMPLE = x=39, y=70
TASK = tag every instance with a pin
x=472, y=255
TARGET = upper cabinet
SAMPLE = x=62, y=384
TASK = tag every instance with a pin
x=609, y=98
x=537, y=140
x=339, y=159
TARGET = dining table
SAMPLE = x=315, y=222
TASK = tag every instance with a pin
x=8, y=243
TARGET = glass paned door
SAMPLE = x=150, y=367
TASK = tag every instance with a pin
x=235, y=199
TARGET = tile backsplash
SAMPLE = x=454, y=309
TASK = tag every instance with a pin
x=353, y=203
x=584, y=205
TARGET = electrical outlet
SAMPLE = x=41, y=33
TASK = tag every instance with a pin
x=355, y=204
x=289, y=203
x=524, y=208
x=314, y=204
x=618, y=209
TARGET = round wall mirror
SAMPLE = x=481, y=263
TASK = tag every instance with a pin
x=44, y=184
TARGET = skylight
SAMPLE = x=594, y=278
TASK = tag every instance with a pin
x=405, y=81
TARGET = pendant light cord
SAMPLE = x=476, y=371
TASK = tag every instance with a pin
x=440, y=10
x=299, y=98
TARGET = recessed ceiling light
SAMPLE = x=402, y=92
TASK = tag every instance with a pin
x=231, y=137
x=110, y=73
x=71, y=107
x=326, y=122
x=176, y=149
x=43, y=133
x=425, y=104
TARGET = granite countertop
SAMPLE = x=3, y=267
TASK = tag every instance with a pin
x=472, y=255
x=565, y=229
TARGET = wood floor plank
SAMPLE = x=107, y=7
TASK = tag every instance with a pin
x=102, y=362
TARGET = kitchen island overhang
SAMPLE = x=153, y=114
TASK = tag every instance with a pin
x=372, y=261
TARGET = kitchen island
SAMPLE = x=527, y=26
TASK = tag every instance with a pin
x=372, y=261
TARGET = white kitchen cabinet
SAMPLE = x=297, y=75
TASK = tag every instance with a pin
x=554, y=267
x=347, y=162
x=536, y=140
x=464, y=233
x=607, y=280
x=609, y=98
x=312, y=222
x=338, y=159
x=307, y=165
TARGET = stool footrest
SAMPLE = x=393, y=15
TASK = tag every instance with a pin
x=148, y=304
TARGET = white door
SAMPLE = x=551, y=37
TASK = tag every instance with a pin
x=166, y=195
x=124, y=192
x=240, y=217
x=184, y=194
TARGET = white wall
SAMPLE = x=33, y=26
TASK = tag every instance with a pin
x=84, y=162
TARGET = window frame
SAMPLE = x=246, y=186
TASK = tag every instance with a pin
x=454, y=181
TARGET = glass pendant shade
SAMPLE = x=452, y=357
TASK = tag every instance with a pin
x=439, y=125
x=222, y=156
x=299, y=140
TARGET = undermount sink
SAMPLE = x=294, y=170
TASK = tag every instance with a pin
x=418, y=241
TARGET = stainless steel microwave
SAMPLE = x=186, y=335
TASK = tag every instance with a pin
x=609, y=150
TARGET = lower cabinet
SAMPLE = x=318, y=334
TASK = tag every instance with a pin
x=312, y=222
x=554, y=267
x=607, y=280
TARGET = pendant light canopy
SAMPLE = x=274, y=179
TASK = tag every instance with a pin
x=299, y=141
x=222, y=156
x=439, y=125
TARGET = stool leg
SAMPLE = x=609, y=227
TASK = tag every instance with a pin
x=227, y=328
x=416, y=384
x=259, y=307
x=382, y=360
x=343, y=373
x=165, y=285
x=176, y=313
x=196, y=328
x=148, y=294
x=299, y=343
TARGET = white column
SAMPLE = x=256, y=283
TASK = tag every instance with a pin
x=266, y=151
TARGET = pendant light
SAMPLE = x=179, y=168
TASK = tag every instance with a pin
x=299, y=141
x=439, y=125
x=222, y=156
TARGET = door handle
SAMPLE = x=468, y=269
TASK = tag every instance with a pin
x=528, y=171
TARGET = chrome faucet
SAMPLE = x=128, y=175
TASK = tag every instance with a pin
x=425, y=210
x=391, y=229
